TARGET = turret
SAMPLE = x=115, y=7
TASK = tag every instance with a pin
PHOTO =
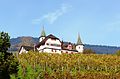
x=79, y=45
x=43, y=35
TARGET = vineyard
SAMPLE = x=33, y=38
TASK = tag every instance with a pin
x=34, y=65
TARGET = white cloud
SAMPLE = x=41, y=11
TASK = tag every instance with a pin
x=53, y=16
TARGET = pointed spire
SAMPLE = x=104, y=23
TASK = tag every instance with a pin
x=79, y=42
x=43, y=34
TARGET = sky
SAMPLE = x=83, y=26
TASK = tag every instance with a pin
x=97, y=21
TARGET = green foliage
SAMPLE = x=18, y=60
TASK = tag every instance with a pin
x=88, y=51
x=35, y=65
x=117, y=53
x=8, y=63
x=4, y=42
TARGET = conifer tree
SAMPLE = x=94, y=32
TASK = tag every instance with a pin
x=8, y=62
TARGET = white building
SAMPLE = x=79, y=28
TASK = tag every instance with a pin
x=25, y=49
x=49, y=44
x=52, y=44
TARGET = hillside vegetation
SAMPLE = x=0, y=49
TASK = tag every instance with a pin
x=34, y=65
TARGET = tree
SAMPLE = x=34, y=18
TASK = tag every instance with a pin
x=4, y=42
x=8, y=62
x=88, y=51
x=117, y=52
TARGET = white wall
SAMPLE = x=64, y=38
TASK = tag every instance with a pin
x=49, y=41
x=69, y=52
x=80, y=48
x=52, y=51
x=41, y=47
x=23, y=51
x=51, y=48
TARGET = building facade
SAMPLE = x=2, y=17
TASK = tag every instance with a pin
x=52, y=44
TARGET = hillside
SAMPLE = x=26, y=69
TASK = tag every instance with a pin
x=17, y=42
x=30, y=41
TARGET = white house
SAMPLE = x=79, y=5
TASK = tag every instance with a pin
x=52, y=44
x=25, y=49
x=49, y=44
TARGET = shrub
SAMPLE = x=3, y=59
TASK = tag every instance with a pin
x=117, y=52
x=88, y=51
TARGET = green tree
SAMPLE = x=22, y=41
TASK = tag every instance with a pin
x=88, y=51
x=4, y=42
x=8, y=62
x=117, y=52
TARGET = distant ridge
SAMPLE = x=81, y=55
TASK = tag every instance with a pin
x=31, y=41
x=19, y=41
x=102, y=49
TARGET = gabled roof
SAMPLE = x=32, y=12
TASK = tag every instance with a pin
x=65, y=44
x=27, y=48
x=52, y=36
x=46, y=38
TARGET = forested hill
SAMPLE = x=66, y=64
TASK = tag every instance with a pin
x=30, y=41
x=99, y=49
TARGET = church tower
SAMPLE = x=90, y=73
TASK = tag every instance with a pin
x=79, y=46
x=43, y=35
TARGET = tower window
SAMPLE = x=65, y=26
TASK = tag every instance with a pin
x=47, y=43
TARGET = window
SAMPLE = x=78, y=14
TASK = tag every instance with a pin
x=57, y=45
x=51, y=44
x=47, y=43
